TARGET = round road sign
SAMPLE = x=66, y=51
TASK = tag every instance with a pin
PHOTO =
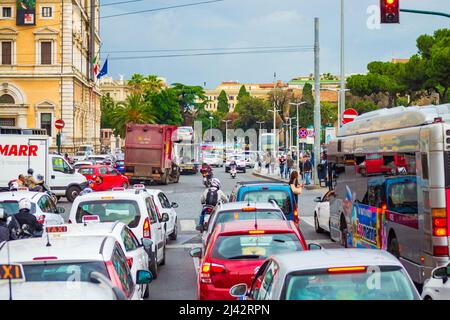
x=59, y=124
x=303, y=133
x=349, y=115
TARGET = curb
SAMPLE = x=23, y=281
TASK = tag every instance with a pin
x=310, y=187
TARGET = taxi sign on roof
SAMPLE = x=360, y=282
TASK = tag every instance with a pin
x=12, y=272
x=56, y=229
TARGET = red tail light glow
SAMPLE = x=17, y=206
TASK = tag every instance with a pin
x=296, y=219
x=207, y=269
x=347, y=269
x=130, y=261
x=146, y=229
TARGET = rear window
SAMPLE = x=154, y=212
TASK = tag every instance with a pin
x=255, y=246
x=89, y=171
x=392, y=284
x=77, y=271
x=228, y=216
x=282, y=198
x=126, y=211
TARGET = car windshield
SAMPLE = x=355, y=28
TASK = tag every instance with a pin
x=76, y=271
x=12, y=207
x=282, y=198
x=126, y=211
x=389, y=284
x=255, y=246
x=227, y=216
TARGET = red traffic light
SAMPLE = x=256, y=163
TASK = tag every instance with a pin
x=390, y=11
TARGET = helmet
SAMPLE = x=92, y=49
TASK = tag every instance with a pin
x=24, y=204
x=30, y=171
x=215, y=183
x=14, y=186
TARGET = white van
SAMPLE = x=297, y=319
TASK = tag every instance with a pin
x=19, y=152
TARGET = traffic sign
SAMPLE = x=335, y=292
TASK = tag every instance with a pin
x=303, y=133
x=59, y=124
x=349, y=115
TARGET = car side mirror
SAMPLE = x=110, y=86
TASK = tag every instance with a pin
x=314, y=246
x=317, y=199
x=174, y=205
x=165, y=217
x=196, y=253
x=147, y=244
x=239, y=290
x=441, y=273
x=144, y=277
x=60, y=210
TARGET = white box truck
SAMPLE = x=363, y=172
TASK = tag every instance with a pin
x=21, y=149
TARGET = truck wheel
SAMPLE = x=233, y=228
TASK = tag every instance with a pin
x=72, y=192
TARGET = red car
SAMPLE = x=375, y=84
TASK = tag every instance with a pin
x=110, y=176
x=237, y=249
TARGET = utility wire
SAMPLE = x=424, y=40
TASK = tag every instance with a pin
x=116, y=3
x=163, y=8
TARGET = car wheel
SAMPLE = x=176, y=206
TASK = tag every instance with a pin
x=393, y=247
x=173, y=236
x=72, y=192
x=154, y=266
x=427, y=298
x=316, y=224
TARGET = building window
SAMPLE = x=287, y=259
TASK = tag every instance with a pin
x=6, y=52
x=231, y=97
x=46, y=122
x=6, y=99
x=7, y=122
x=47, y=12
x=6, y=12
x=46, y=52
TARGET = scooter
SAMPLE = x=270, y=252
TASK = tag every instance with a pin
x=207, y=179
x=233, y=172
x=207, y=209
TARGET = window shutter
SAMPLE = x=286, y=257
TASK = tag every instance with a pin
x=6, y=53
x=46, y=52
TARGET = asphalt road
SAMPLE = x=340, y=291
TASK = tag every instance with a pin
x=177, y=278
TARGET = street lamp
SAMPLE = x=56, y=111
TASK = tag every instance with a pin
x=340, y=110
x=259, y=144
x=298, y=119
x=226, y=135
x=290, y=132
x=210, y=127
x=275, y=110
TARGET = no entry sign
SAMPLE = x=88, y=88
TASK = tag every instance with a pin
x=59, y=124
x=349, y=115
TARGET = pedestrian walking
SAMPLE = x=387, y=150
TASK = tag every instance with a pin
x=282, y=164
x=289, y=166
x=307, y=168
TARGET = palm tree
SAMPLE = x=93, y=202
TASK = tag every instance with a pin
x=133, y=110
x=136, y=82
x=153, y=83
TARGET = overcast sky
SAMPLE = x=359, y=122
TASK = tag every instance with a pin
x=249, y=23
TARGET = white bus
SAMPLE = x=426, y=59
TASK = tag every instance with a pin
x=390, y=172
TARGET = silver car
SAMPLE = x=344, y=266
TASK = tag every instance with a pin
x=336, y=274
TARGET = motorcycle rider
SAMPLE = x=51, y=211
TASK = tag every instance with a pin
x=25, y=217
x=233, y=165
x=33, y=185
x=211, y=197
x=206, y=168
x=4, y=230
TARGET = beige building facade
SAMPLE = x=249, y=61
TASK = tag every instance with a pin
x=46, y=68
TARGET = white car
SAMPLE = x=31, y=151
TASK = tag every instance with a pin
x=240, y=161
x=322, y=212
x=185, y=134
x=438, y=286
x=71, y=262
x=214, y=160
x=42, y=206
x=101, y=159
x=77, y=165
x=136, y=252
x=334, y=274
x=163, y=205
x=135, y=208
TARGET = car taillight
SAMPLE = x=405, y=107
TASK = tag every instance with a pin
x=41, y=220
x=130, y=261
x=296, y=220
x=146, y=229
x=355, y=269
x=209, y=268
x=115, y=279
x=440, y=250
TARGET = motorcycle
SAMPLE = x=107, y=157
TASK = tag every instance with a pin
x=207, y=209
x=233, y=172
x=47, y=189
x=207, y=178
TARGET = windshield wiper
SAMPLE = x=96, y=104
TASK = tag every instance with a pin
x=247, y=256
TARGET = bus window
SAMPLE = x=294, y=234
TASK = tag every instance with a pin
x=375, y=193
x=402, y=197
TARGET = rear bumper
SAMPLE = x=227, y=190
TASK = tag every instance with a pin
x=209, y=292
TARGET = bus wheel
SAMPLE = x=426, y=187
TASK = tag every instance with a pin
x=344, y=233
x=393, y=247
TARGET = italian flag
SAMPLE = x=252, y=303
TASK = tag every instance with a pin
x=96, y=65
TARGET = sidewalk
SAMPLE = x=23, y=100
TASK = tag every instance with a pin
x=276, y=177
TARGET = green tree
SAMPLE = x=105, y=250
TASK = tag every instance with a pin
x=108, y=108
x=364, y=106
x=251, y=110
x=134, y=110
x=144, y=84
x=166, y=109
x=191, y=99
x=242, y=93
x=328, y=113
x=222, y=104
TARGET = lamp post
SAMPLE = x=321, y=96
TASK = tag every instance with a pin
x=340, y=109
x=290, y=133
x=259, y=144
x=275, y=110
x=298, y=145
x=210, y=127
x=226, y=135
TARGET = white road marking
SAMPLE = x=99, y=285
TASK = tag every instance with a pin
x=319, y=241
x=184, y=246
x=187, y=225
x=308, y=220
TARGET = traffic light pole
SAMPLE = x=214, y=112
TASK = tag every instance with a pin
x=433, y=13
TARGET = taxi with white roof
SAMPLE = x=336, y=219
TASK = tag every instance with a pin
x=42, y=205
x=135, y=208
x=335, y=274
x=68, y=264
x=136, y=253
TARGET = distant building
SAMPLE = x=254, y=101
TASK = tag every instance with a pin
x=119, y=89
x=398, y=60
